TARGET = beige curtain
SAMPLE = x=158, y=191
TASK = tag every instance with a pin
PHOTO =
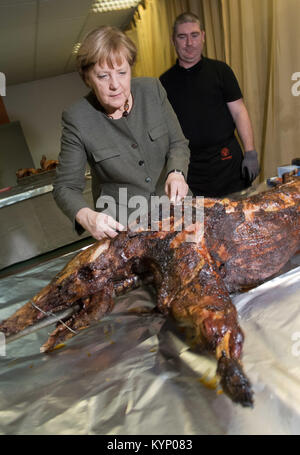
x=151, y=31
x=282, y=125
x=210, y=14
x=262, y=45
x=259, y=39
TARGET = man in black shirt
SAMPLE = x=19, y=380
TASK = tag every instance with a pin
x=208, y=101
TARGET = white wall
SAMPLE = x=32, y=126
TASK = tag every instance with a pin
x=38, y=105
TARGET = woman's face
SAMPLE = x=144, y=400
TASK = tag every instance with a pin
x=110, y=85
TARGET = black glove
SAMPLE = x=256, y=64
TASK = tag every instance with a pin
x=250, y=166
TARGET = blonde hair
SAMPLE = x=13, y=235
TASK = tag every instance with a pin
x=105, y=45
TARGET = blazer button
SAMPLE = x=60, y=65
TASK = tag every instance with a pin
x=148, y=179
x=134, y=146
x=141, y=163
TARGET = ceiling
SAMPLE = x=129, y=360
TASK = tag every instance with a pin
x=37, y=36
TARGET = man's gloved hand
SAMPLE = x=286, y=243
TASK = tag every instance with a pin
x=250, y=166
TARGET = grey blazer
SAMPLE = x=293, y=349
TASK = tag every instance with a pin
x=136, y=152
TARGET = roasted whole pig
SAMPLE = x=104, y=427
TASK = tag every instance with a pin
x=244, y=243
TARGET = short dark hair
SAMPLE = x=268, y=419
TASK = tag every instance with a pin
x=184, y=18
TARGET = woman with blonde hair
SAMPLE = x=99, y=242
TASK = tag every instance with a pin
x=127, y=132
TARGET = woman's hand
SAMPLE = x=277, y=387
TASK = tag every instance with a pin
x=176, y=187
x=99, y=225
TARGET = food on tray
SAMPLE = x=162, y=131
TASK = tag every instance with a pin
x=26, y=172
x=46, y=165
x=245, y=242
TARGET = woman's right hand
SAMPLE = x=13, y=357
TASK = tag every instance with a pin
x=98, y=224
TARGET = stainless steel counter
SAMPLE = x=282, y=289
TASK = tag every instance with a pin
x=30, y=221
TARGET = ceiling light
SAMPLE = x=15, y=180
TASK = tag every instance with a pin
x=76, y=48
x=101, y=6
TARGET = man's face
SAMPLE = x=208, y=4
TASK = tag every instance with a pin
x=188, y=42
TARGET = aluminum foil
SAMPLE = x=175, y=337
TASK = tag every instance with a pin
x=133, y=373
x=22, y=196
x=27, y=188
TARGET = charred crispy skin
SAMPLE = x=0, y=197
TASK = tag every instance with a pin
x=244, y=243
x=252, y=239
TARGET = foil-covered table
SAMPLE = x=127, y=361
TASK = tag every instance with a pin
x=134, y=374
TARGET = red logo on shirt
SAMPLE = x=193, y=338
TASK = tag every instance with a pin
x=225, y=154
